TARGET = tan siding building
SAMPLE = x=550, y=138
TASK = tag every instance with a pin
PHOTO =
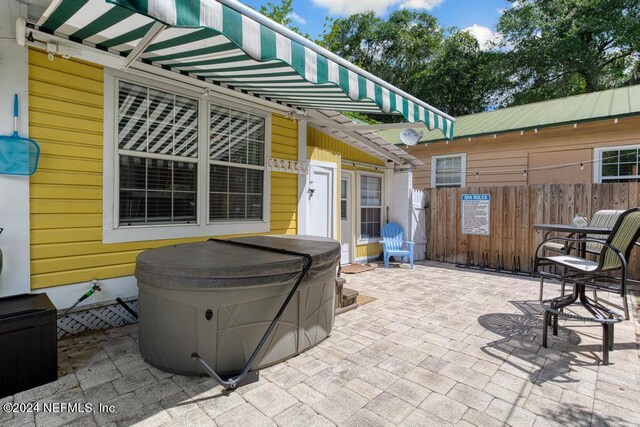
x=586, y=138
x=502, y=160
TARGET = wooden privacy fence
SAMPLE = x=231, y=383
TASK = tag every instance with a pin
x=514, y=209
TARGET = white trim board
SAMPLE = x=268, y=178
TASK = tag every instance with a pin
x=352, y=201
x=366, y=260
x=65, y=296
x=14, y=190
x=303, y=187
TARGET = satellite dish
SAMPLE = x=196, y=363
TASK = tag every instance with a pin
x=410, y=137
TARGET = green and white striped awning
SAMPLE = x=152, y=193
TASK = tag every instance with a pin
x=226, y=43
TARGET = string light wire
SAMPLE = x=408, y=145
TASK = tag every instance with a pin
x=540, y=168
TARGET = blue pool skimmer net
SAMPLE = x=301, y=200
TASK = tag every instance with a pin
x=18, y=155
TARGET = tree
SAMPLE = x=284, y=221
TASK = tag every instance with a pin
x=282, y=14
x=393, y=49
x=413, y=52
x=566, y=47
x=462, y=78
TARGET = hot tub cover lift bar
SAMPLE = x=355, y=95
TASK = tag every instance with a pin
x=235, y=381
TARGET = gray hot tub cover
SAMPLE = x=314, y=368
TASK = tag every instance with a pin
x=220, y=265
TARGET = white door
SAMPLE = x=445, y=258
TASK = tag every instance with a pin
x=346, y=215
x=321, y=201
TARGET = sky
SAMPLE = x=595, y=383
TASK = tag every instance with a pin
x=479, y=16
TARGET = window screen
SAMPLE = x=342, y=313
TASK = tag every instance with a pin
x=237, y=165
x=370, y=206
x=449, y=171
x=620, y=165
x=158, y=155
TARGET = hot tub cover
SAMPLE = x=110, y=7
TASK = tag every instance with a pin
x=206, y=265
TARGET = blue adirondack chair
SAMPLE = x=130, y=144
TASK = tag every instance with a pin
x=393, y=244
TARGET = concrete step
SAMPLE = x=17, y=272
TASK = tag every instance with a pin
x=349, y=296
x=349, y=301
x=339, y=291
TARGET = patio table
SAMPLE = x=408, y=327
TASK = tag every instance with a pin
x=571, y=229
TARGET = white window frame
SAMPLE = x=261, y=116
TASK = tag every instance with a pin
x=597, y=160
x=111, y=231
x=368, y=240
x=463, y=168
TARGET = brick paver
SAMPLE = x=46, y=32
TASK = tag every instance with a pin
x=438, y=346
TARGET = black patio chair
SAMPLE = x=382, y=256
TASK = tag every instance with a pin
x=614, y=256
x=583, y=273
x=602, y=218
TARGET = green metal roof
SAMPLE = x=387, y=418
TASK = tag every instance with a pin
x=612, y=103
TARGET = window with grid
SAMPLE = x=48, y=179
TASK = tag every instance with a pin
x=620, y=165
x=158, y=156
x=370, y=206
x=237, y=165
x=449, y=171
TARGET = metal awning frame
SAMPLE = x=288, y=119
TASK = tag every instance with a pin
x=65, y=48
x=258, y=17
x=339, y=127
x=411, y=107
x=346, y=131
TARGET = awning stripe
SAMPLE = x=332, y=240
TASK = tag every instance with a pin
x=128, y=37
x=181, y=40
x=62, y=14
x=212, y=40
x=208, y=50
x=101, y=23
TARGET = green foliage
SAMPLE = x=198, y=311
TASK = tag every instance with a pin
x=391, y=49
x=360, y=118
x=567, y=47
x=282, y=14
x=279, y=13
x=411, y=51
x=461, y=79
x=549, y=49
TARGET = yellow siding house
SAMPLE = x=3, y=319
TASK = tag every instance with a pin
x=155, y=131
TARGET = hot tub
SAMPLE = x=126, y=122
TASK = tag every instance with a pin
x=217, y=299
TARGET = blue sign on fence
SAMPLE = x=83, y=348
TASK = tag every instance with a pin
x=476, y=214
x=466, y=197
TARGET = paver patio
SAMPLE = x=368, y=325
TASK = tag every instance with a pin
x=439, y=346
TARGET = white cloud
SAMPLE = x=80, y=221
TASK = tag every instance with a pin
x=484, y=35
x=380, y=7
x=297, y=18
x=420, y=4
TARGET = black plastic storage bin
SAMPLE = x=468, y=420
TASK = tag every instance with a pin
x=28, y=343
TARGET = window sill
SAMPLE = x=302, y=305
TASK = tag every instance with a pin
x=165, y=232
x=368, y=241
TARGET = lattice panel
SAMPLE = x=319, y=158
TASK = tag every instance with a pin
x=101, y=317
